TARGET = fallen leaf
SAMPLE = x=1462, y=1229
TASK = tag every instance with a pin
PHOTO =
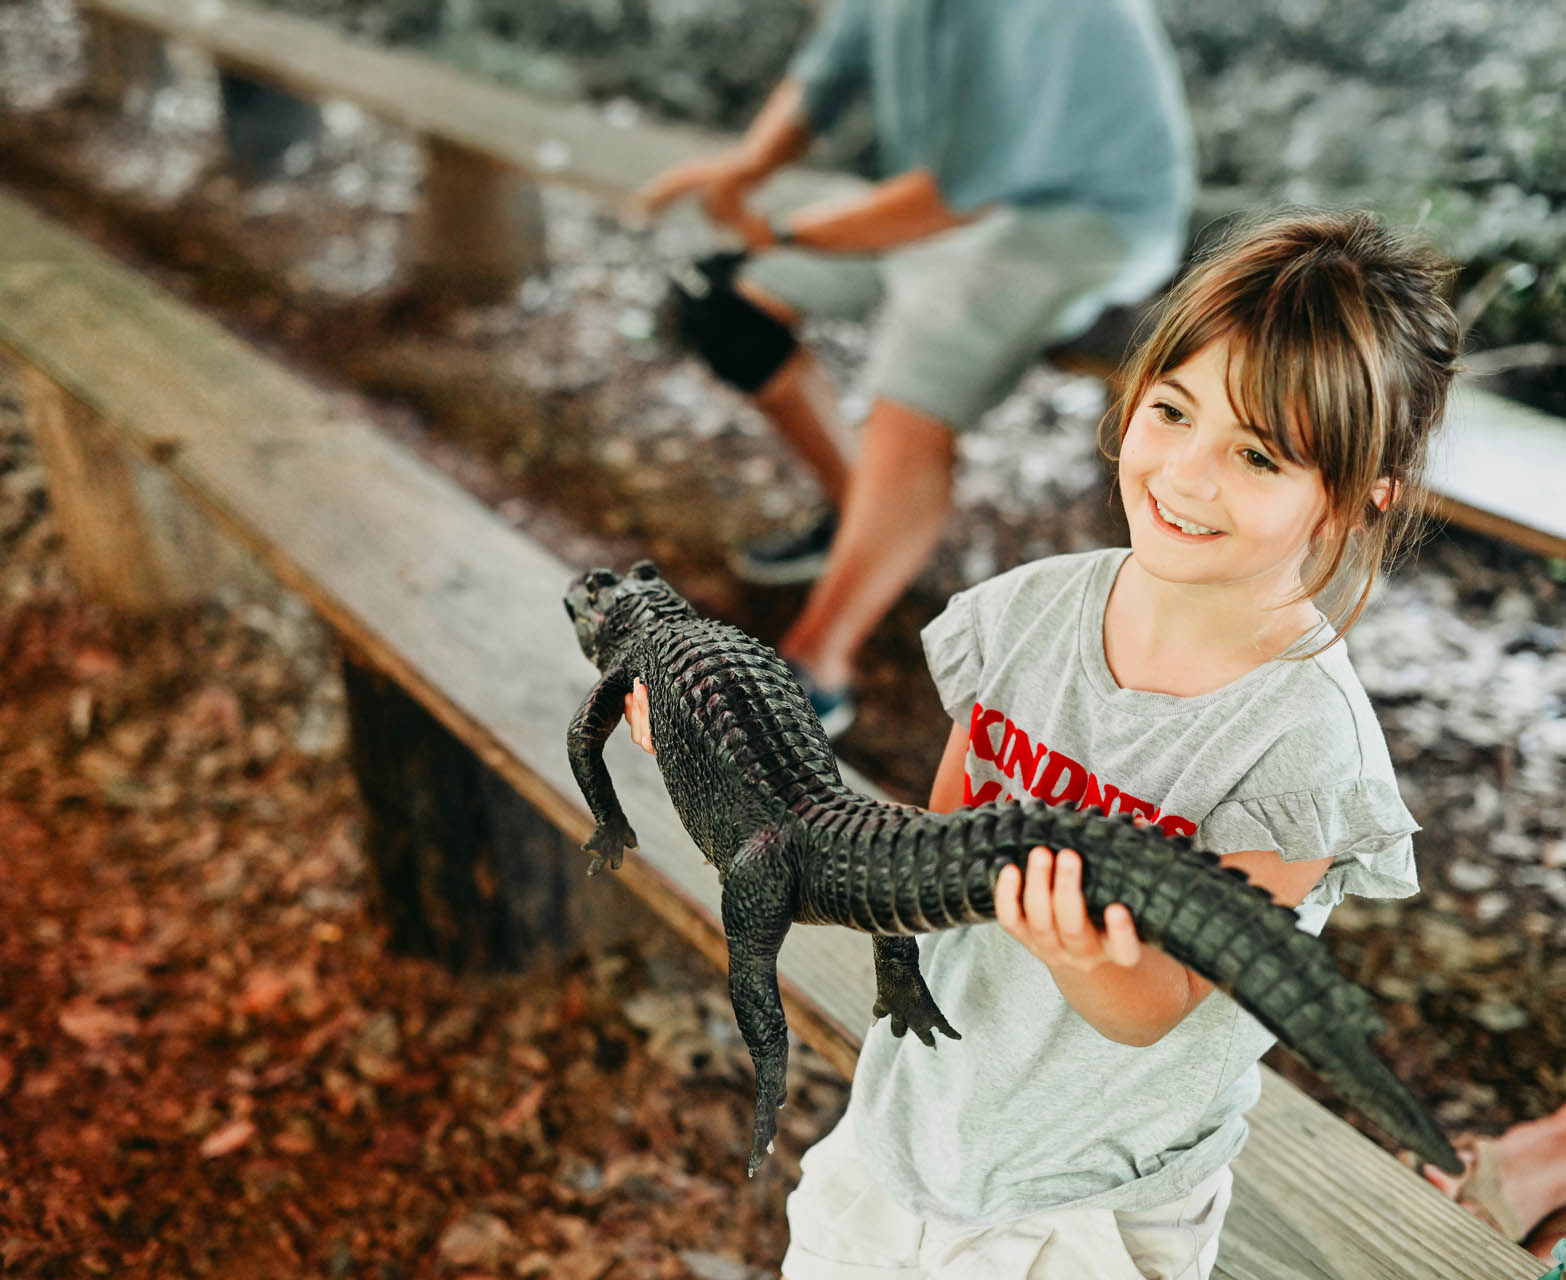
x=264, y=990
x=478, y=1240
x=90, y=1023
x=523, y=1111
x=230, y=1138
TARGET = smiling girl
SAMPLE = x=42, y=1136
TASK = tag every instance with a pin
x=1269, y=443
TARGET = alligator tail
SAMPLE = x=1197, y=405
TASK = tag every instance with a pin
x=1215, y=921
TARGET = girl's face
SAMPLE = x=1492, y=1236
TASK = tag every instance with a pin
x=1209, y=498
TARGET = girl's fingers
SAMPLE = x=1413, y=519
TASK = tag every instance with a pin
x=1008, y=900
x=1035, y=891
x=1071, y=917
x=1120, y=941
x=639, y=716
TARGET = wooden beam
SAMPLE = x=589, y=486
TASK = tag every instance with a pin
x=478, y=231
x=568, y=142
x=127, y=63
x=131, y=537
x=1499, y=467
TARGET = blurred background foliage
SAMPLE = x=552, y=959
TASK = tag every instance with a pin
x=1447, y=113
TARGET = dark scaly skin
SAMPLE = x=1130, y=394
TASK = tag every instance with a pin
x=756, y=783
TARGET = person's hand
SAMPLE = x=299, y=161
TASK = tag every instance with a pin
x=722, y=183
x=1046, y=912
x=639, y=717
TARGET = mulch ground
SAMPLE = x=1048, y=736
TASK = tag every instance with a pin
x=209, y=1062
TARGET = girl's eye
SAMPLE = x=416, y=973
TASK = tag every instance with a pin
x=1258, y=460
x=1167, y=412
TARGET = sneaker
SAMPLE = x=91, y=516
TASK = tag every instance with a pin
x=833, y=707
x=788, y=556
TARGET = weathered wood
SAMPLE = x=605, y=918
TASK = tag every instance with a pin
x=479, y=230
x=126, y=62
x=565, y=142
x=1315, y=1201
x=467, y=873
x=130, y=536
x=1499, y=467
x=463, y=613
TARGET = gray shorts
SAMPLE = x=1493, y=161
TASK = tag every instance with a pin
x=963, y=313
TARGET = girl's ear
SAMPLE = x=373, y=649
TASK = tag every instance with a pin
x=1383, y=492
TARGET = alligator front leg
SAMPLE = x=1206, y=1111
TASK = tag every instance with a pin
x=594, y=721
x=900, y=990
x=758, y=907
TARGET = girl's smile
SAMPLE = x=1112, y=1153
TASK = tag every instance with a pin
x=1179, y=525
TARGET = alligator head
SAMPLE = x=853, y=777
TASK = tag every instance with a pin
x=605, y=607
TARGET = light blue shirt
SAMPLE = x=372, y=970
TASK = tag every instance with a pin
x=1025, y=102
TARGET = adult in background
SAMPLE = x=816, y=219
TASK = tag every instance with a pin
x=1038, y=168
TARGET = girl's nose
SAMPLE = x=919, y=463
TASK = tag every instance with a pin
x=1192, y=468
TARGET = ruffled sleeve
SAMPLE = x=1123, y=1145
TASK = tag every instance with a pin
x=954, y=655
x=1362, y=824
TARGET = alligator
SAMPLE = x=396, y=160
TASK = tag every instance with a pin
x=756, y=783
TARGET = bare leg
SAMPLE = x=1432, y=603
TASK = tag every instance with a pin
x=1531, y=1168
x=801, y=403
x=899, y=492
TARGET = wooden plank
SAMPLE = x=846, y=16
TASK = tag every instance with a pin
x=1314, y=1200
x=569, y=142
x=1499, y=467
x=466, y=614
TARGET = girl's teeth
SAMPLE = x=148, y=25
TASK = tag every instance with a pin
x=1185, y=526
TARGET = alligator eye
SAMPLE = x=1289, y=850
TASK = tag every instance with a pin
x=645, y=570
x=599, y=578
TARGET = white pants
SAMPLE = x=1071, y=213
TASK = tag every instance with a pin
x=842, y=1226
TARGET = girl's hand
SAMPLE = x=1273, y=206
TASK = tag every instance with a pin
x=639, y=717
x=1046, y=912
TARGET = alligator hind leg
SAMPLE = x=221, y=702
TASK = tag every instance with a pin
x=901, y=992
x=758, y=902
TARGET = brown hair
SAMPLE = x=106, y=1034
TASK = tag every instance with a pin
x=1347, y=347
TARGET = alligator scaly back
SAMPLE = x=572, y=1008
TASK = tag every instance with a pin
x=754, y=780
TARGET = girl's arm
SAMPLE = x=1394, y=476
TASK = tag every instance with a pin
x=1125, y=991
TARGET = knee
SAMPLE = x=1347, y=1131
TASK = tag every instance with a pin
x=770, y=303
x=744, y=335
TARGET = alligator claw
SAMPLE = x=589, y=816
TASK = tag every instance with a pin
x=608, y=845
x=762, y=1145
x=919, y=1015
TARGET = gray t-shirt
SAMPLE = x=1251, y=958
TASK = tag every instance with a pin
x=1034, y=1109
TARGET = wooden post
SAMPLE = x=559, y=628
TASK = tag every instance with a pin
x=126, y=64
x=131, y=536
x=479, y=230
x=468, y=872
